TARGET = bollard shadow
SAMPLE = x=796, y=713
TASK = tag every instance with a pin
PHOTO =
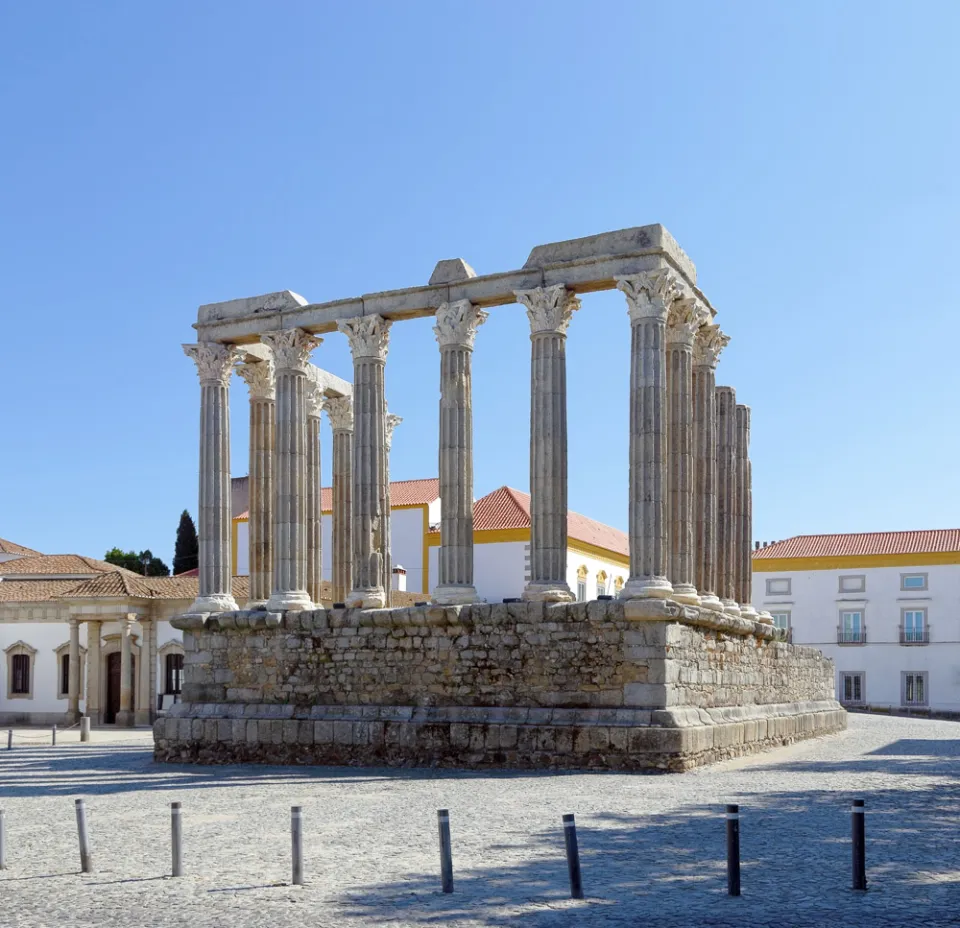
x=795, y=856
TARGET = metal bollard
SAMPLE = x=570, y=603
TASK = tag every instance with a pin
x=857, y=829
x=86, y=860
x=296, y=836
x=176, y=834
x=733, y=850
x=446, y=851
x=9, y=739
x=573, y=857
x=85, y=728
x=3, y=840
x=54, y=742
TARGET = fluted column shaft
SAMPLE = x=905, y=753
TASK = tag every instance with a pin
x=549, y=310
x=214, y=363
x=314, y=499
x=125, y=715
x=259, y=375
x=340, y=411
x=386, y=554
x=650, y=297
x=707, y=347
x=368, y=341
x=73, y=675
x=744, y=575
x=291, y=352
x=728, y=529
x=456, y=330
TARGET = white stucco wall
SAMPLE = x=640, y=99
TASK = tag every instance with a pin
x=498, y=569
x=242, y=567
x=576, y=560
x=815, y=602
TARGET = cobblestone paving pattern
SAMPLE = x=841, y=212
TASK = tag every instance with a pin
x=652, y=847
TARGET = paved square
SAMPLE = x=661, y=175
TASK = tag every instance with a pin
x=652, y=847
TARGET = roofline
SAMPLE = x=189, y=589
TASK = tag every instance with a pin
x=767, y=565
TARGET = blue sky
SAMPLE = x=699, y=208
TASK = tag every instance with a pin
x=157, y=156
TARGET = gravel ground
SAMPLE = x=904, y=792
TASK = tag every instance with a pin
x=652, y=847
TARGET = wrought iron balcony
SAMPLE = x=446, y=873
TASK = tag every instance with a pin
x=852, y=635
x=915, y=635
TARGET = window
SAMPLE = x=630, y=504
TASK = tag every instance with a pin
x=602, y=583
x=65, y=674
x=913, y=688
x=913, y=627
x=781, y=620
x=913, y=581
x=852, y=629
x=618, y=584
x=581, y=591
x=63, y=670
x=20, y=675
x=852, y=689
x=853, y=584
x=173, y=664
x=778, y=586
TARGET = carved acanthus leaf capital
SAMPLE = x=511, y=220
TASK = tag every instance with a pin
x=650, y=294
x=549, y=309
x=260, y=378
x=214, y=361
x=291, y=348
x=314, y=397
x=709, y=343
x=457, y=324
x=340, y=411
x=392, y=422
x=685, y=319
x=369, y=336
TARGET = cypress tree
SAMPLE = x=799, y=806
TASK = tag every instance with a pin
x=186, y=551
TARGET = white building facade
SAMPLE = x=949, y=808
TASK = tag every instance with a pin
x=884, y=606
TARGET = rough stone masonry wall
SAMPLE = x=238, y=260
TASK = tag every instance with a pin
x=599, y=684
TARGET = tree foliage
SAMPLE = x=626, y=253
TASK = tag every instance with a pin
x=143, y=563
x=186, y=551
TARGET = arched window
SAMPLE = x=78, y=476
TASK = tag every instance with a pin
x=63, y=669
x=20, y=660
x=582, y=574
x=171, y=657
x=602, y=583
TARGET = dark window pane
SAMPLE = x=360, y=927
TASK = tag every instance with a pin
x=65, y=673
x=21, y=674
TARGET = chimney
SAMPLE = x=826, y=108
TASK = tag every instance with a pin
x=399, y=579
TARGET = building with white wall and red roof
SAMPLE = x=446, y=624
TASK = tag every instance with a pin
x=885, y=606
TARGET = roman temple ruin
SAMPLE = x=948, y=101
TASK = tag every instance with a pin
x=677, y=671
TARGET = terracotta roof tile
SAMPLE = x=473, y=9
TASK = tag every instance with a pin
x=33, y=591
x=58, y=565
x=402, y=493
x=10, y=547
x=924, y=542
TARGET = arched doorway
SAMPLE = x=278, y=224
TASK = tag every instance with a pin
x=112, y=706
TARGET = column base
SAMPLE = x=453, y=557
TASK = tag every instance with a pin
x=289, y=600
x=711, y=601
x=255, y=605
x=373, y=598
x=455, y=594
x=748, y=612
x=646, y=588
x=71, y=717
x=552, y=592
x=215, y=602
x=125, y=719
x=730, y=607
x=685, y=593
x=765, y=617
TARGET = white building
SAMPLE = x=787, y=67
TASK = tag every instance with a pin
x=884, y=606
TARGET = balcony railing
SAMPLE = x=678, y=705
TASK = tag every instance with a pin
x=852, y=635
x=915, y=635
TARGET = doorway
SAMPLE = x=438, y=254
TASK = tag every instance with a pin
x=113, y=686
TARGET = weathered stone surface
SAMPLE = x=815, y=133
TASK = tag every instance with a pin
x=451, y=270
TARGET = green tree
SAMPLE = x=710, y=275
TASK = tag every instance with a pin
x=143, y=563
x=186, y=551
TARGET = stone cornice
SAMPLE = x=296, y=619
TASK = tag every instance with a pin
x=214, y=361
x=369, y=336
x=549, y=309
x=650, y=295
x=457, y=324
x=291, y=349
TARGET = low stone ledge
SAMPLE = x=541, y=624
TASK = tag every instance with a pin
x=665, y=610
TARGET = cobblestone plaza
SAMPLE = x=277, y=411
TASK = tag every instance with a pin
x=652, y=847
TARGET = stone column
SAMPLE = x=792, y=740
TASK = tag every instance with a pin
x=455, y=330
x=685, y=319
x=650, y=296
x=125, y=715
x=727, y=527
x=369, y=336
x=92, y=705
x=386, y=555
x=744, y=576
x=214, y=364
x=706, y=352
x=146, y=705
x=73, y=676
x=313, y=497
x=260, y=379
x=291, y=357
x=340, y=411
x=549, y=310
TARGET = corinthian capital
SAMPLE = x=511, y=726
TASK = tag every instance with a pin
x=260, y=379
x=709, y=343
x=549, y=309
x=685, y=319
x=314, y=395
x=214, y=361
x=291, y=348
x=392, y=422
x=368, y=336
x=650, y=294
x=340, y=411
x=457, y=324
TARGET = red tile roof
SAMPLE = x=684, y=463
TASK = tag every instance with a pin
x=60, y=565
x=11, y=547
x=926, y=542
x=402, y=493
